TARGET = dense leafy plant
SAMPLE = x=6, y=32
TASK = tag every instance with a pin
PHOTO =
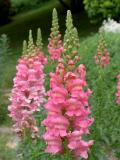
x=98, y=10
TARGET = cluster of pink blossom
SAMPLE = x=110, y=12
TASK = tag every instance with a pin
x=27, y=93
x=118, y=90
x=55, y=47
x=68, y=111
x=102, y=59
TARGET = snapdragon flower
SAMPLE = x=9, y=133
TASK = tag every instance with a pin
x=102, y=58
x=55, y=46
x=28, y=90
x=68, y=109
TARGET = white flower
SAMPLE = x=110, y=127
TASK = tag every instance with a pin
x=110, y=25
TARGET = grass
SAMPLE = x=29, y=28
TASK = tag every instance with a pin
x=6, y=150
x=25, y=5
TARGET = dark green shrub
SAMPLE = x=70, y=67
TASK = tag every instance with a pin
x=101, y=9
x=4, y=11
x=25, y=5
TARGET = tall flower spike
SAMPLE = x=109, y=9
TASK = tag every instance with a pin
x=76, y=38
x=71, y=43
x=68, y=107
x=102, y=58
x=69, y=34
x=39, y=43
x=30, y=44
x=102, y=44
x=69, y=21
x=55, y=25
x=55, y=46
x=24, y=47
x=28, y=92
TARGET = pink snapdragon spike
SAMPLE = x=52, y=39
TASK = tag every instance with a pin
x=102, y=58
x=79, y=146
x=68, y=109
x=28, y=90
x=118, y=90
x=55, y=46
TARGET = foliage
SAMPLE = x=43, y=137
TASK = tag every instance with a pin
x=4, y=11
x=34, y=19
x=25, y=5
x=105, y=130
x=98, y=10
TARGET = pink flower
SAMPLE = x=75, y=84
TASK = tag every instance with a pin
x=28, y=93
x=55, y=46
x=54, y=143
x=55, y=53
x=57, y=122
x=58, y=95
x=68, y=110
x=77, y=145
x=118, y=90
x=82, y=123
x=53, y=108
x=76, y=108
x=81, y=71
x=55, y=80
x=102, y=59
